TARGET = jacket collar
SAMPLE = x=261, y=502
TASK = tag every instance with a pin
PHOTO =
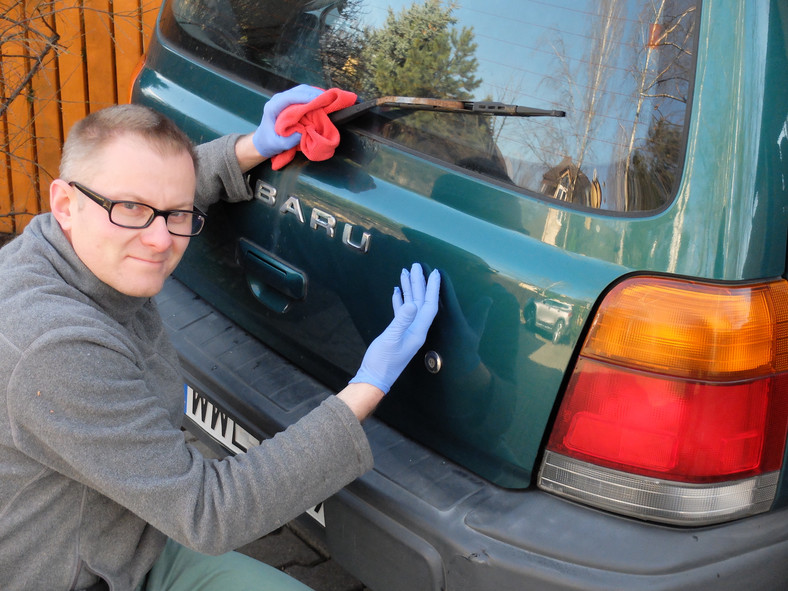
x=70, y=267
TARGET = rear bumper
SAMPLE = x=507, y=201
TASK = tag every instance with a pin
x=420, y=522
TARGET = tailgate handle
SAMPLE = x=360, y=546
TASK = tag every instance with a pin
x=274, y=283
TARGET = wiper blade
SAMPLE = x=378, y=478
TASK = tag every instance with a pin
x=443, y=105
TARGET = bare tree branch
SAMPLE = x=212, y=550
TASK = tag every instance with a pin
x=38, y=61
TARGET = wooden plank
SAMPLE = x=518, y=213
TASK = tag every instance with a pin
x=150, y=11
x=128, y=43
x=21, y=147
x=99, y=54
x=70, y=63
x=6, y=221
x=47, y=127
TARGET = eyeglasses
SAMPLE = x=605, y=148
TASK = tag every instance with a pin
x=131, y=214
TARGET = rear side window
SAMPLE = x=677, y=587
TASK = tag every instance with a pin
x=621, y=70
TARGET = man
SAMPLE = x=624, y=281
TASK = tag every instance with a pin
x=98, y=488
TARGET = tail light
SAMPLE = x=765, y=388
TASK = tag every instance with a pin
x=677, y=408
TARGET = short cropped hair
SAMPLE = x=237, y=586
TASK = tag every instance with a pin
x=95, y=131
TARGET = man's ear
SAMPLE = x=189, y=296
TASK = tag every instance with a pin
x=62, y=203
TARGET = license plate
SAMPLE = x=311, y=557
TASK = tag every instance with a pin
x=216, y=423
x=220, y=426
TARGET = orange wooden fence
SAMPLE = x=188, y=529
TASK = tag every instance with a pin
x=60, y=61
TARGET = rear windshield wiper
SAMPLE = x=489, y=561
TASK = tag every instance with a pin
x=443, y=105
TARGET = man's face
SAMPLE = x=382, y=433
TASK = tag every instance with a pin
x=133, y=261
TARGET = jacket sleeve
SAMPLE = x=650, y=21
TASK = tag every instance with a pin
x=219, y=175
x=81, y=406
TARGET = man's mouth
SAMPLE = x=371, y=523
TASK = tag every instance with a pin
x=149, y=261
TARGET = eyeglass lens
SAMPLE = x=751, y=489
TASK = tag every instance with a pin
x=139, y=215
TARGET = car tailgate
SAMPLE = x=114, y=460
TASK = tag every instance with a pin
x=309, y=265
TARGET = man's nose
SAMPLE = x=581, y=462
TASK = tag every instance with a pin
x=157, y=234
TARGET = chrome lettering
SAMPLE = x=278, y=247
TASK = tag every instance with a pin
x=318, y=218
x=265, y=193
x=322, y=219
x=362, y=245
x=293, y=205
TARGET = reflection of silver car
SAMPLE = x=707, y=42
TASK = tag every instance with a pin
x=550, y=315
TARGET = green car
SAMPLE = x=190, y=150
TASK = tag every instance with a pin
x=602, y=401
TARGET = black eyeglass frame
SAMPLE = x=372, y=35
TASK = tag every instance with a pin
x=108, y=204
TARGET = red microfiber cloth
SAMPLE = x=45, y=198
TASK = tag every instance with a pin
x=319, y=137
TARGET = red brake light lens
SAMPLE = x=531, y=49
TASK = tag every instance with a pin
x=669, y=428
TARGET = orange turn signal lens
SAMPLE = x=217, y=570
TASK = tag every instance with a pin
x=693, y=330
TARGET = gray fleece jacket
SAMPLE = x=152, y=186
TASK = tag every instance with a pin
x=94, y=471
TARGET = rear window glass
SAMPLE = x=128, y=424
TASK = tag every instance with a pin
x=621, y=70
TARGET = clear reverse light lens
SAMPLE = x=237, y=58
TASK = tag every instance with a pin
x=654, y=499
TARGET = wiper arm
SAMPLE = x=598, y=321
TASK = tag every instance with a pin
x=443, y=105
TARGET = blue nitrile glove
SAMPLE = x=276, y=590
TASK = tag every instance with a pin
x=265, y=139
x=415, y=307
